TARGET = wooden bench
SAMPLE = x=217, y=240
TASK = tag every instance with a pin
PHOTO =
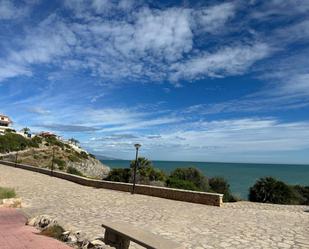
x=119, y=235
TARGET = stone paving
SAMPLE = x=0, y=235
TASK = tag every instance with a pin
x=235, y=225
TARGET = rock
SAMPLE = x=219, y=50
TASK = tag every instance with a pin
x=96, y=244
x=91, y=167
x=42, y=222
x=11, y=203
x=65, y=236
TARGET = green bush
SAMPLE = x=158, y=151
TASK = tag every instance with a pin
x=303, y=192
x=54, y=141
x=54, y=231
x=7, y=193
x=37, y=140
x=73, y=158
x=119, y=175
x=83, y=155
x=192, y=175
x=74, y=171
x=14, y=142
x=61, y=163
x=91, y=155
x=181, y=184
x=220, y=185
x=270, y=190
x=145, y=172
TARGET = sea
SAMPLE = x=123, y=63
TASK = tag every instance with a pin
x=240, y=176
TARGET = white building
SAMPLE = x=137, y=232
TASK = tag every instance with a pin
x=5, y=122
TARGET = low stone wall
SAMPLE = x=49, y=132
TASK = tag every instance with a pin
x=212, y=199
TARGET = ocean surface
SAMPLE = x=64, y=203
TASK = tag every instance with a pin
x=239, y=175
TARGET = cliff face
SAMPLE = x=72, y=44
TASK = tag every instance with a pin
x=51, y=152
x=91, y=167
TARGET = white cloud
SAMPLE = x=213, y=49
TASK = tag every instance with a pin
x=212, y=19
x=9, y=11
x=9, y=70
x=298, y=84
x=226, y=61
x=139, y=45
x=216, y=139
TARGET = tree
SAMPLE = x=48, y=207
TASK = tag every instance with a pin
x=220, y=185
x=145, y=172
x=270, y=190
x=190, y=174
x=74, y=141
x=119, y=175
x=25, y=130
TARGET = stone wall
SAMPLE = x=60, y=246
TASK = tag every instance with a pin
x=213, y=199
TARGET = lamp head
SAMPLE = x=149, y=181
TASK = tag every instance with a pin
x=137, y=146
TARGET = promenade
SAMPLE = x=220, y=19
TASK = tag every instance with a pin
x=235, y=225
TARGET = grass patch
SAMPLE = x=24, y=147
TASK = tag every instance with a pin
x=74, y=171
x=6, y=193
x=73, y=158
x=54, y=231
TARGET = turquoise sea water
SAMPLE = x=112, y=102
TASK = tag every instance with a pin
x=239, y=175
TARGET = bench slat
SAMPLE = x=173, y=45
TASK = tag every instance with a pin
x=141, y=237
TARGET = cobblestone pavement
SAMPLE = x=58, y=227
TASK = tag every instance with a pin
x=235, y=225
x=14, y=234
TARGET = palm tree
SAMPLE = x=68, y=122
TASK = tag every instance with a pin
x=74, y=141
x=25, y=130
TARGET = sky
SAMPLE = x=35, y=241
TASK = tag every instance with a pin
x=224, y=81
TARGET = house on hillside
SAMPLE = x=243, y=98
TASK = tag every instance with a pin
x=5, y=123
x=47, y=134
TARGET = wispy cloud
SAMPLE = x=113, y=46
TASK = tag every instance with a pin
x=147, y=43
x=216, y=139
x=226, y=61
x=8, y=10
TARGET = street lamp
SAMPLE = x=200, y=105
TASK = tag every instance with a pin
x=137, y=146
x=52, y=164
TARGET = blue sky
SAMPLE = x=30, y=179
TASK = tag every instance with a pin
x=189, y=80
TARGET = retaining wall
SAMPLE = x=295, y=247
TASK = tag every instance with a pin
x=213, y=199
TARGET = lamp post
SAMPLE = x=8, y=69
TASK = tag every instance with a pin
x=137, y=146
x=16, y=158
x=52, y=164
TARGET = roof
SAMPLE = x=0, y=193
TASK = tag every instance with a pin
x=5, y=121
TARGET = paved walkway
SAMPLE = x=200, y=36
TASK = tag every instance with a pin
x=15, y=235
x=237, y=225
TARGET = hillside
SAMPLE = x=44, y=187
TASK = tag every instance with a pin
x=39, y=151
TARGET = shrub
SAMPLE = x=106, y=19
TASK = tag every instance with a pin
x=192, y=175
x=74, y=171
x=270, y=190
x=14, y=142
x=91, y=155
x=7, y=193
x=54, y=231
x=61, y=163
x=181, y=184
x=73, y=158
x=220, y=185
x=37, y=140
x=119, y=175
x=303, y=192
x=145, y=172
x=83, y=155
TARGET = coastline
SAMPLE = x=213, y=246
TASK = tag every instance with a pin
x=240, y=176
